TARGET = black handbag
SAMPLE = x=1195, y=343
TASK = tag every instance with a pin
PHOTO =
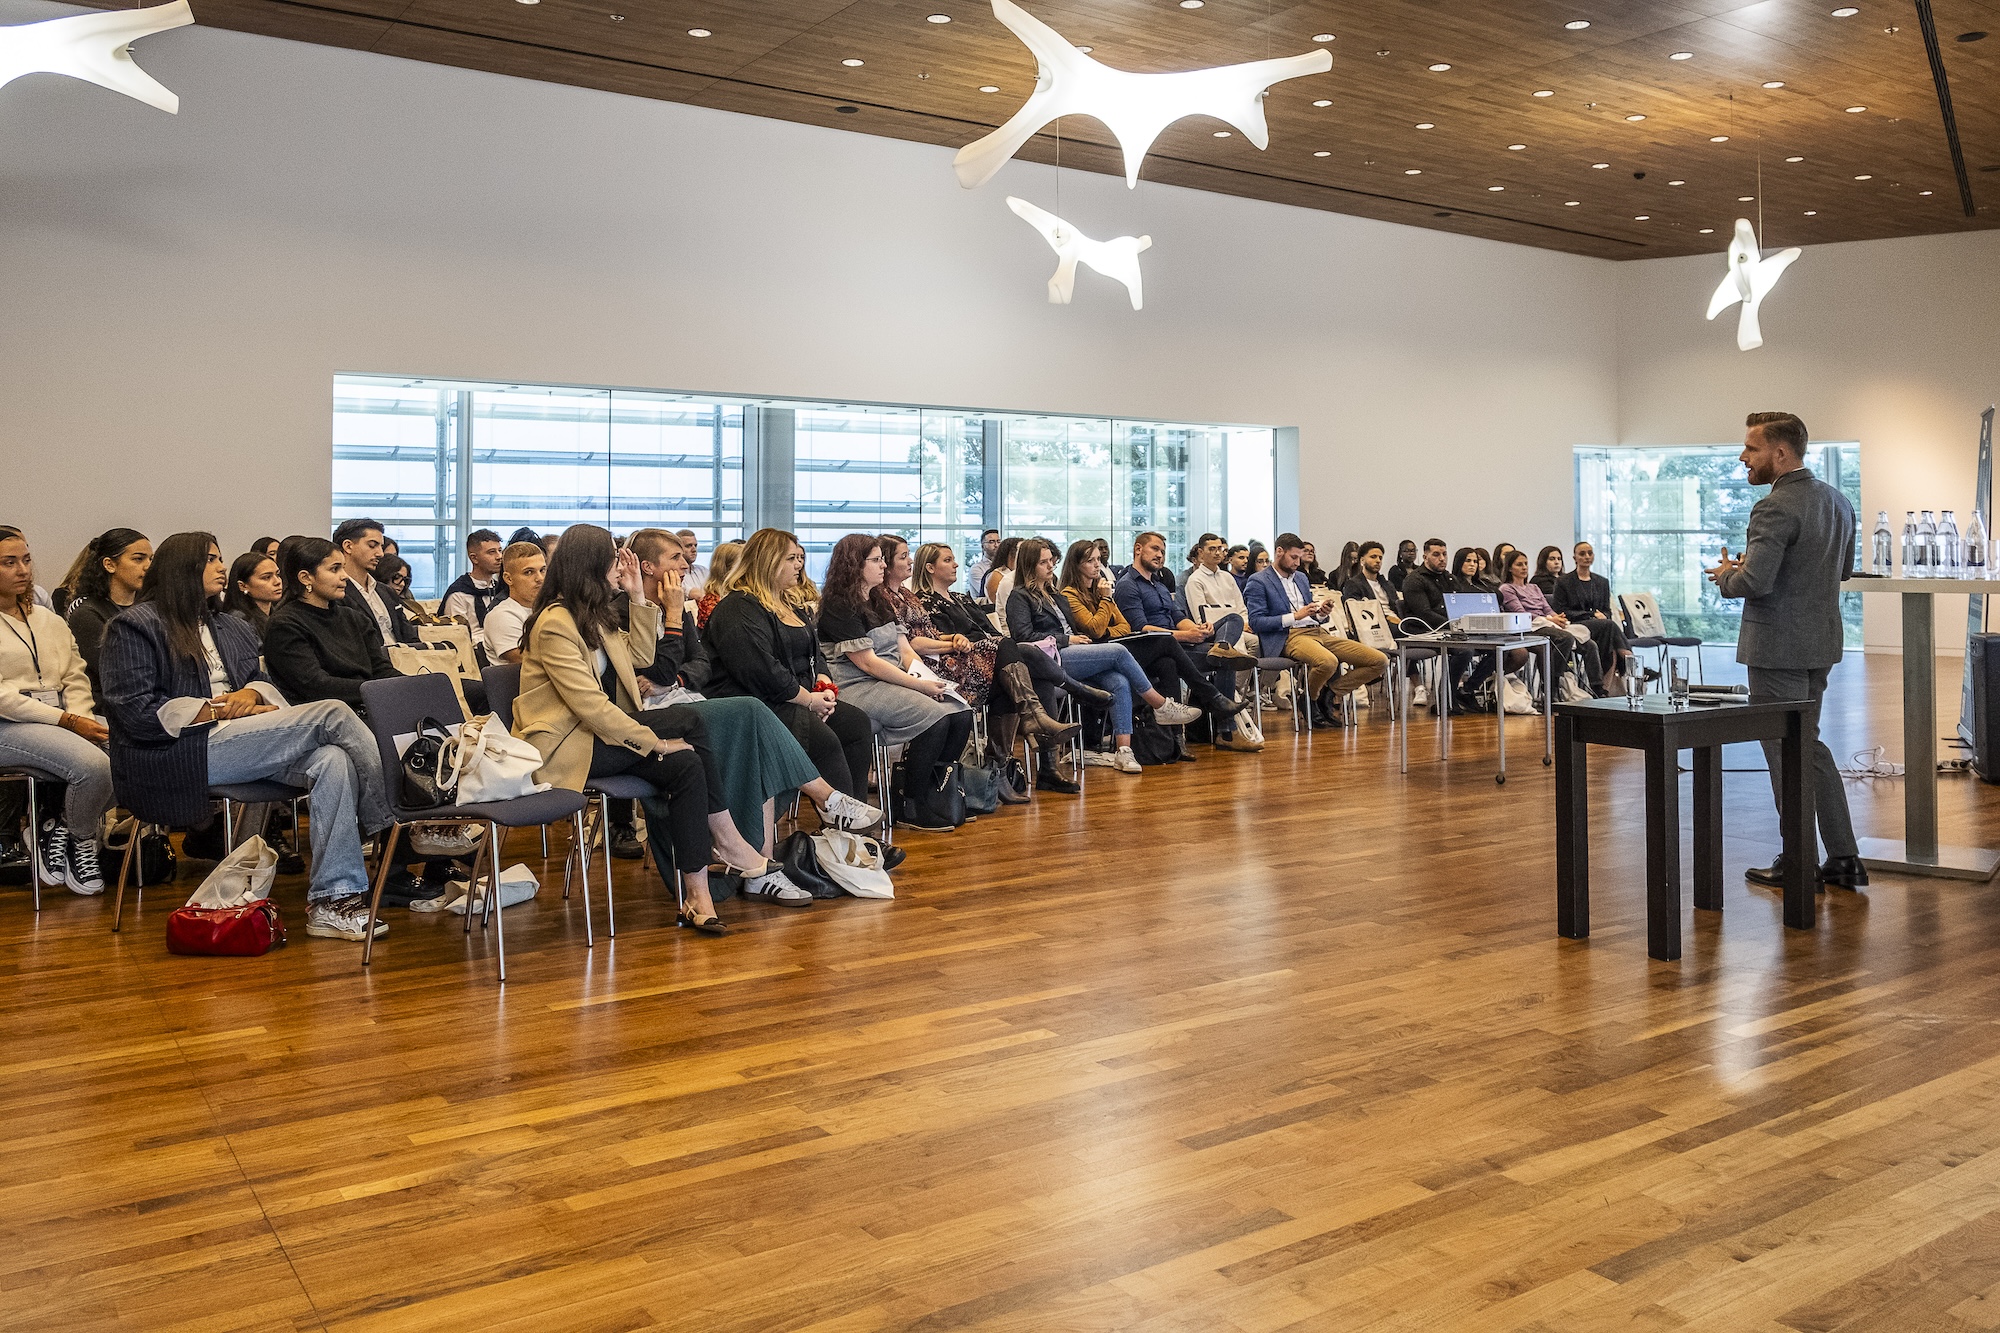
x=1152, y=743
x=801, y=866
x=422, y=782
x=948, y=800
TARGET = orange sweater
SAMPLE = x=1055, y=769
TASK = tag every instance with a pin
x=1107, y=622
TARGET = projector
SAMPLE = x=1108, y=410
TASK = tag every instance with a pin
x=1496, y=622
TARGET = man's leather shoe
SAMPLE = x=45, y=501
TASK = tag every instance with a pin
x=625, y=842
x=1772, y=874
x=1844, y=872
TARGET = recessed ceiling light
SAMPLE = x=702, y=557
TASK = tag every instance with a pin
x=531, y=2
x=1086, y=49
x=700, y=32
x=1924, y=192
x=1191, y=4
x=1845, y=12
x=1812, y=212
x=937, y=18
x=1643, y=217
x=1496, y=188
x=1775, y=83
x=1515, y=147
x=1599, y=166
x=1681, y=55
x=1708, y=231
x=1677, y=182
x=1856, y=110
x=1322, y=153
x=1718, y=138
x=1573, y=203
x=852, y=63
x=1323, y=102
x=847, y=110
x=1322, y=36
x=1794, y=159
x=1439, y=68
x=988, y=88
x=1222, y=134
x=1745, y=198
x=1425, y=125
x=1864, y=178
x=1413, y=171
x=1635, y=117
x=1577, y=25
x=1545, y=92
x=1970, y=37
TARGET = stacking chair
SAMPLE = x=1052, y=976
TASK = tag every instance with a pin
x=1645, y=627
x=1282, y=666
x=31, y=776
x=397, y=707
x=231, y=795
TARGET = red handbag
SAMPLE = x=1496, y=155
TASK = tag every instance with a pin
x=244, y=931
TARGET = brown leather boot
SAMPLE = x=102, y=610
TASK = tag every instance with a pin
x=1035, y=721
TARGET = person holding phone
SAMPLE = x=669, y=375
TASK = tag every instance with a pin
x=1284, y=609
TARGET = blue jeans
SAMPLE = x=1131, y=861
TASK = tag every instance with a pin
x=70, y=758
x=1109, y=667
x=323, y=746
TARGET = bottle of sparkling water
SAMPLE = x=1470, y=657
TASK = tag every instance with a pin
x=1882, y=547
x=1949, y=552
x=1926, y=544
x=1911, y=559
x=1975, y=548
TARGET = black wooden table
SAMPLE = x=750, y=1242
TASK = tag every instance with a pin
x=1662, y=731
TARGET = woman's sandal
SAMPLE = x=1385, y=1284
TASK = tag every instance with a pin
x=707, y=925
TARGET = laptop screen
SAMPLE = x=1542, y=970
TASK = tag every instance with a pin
x=1457, y=604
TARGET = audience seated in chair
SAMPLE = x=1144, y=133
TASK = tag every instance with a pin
x=522, y=570
x=255, y=589
x=1284, y=609
x=106, y=580
x=314, y=648
x=360, y=543
x=477, y=591
x=1585, y=597
x=1011, y=703
x=1406, y=560
x=1145, y=615
x=1520, y=595
x=1367, y=584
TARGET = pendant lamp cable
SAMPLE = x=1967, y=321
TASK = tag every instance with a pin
x=1059, y=211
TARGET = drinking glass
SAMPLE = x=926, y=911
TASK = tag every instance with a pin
x=1677, y=683
x=1635, y=688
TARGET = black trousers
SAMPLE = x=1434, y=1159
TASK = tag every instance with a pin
x=839, y=747
x=940, y=743
x=1168, y=664
x=676, y=819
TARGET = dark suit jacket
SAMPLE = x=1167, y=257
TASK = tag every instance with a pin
x=160, y=778
x=1356, y=589
x=1799, y=549
x=399, y=622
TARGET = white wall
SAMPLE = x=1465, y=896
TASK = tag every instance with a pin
x=1893, y=343
x=179, y=292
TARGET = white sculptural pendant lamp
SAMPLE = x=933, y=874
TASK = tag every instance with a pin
x=1117, y=259
x=1752, y=275
x=1134, y=107
x=95, y=48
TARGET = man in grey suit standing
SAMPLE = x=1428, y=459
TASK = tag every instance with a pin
x=1799, y=548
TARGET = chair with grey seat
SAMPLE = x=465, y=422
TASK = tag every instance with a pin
x=231, y=794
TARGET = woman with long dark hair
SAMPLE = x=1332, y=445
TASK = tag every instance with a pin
x=107, y=578
x=255, y=589
x=579, y=706
x=190, y=709
x=870, y=661
x=315, y=647
x=1013, y=704
x=1548, y=569
x=1000, y=574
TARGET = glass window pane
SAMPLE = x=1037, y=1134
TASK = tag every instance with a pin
x=855, y=470
x=395, y=460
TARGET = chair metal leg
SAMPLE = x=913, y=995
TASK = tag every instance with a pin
x=493, y=905
x=228, y=828
x=124, y=868
x=35, y=844
x=375, y=899
x=604, y=822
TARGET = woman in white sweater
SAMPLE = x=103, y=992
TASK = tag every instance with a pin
x=47, y=722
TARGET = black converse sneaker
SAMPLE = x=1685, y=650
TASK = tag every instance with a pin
x=52, y=847
x=82, y=874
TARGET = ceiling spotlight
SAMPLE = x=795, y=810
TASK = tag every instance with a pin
x=1812, y=212
x=1718, y=138
x=1515, y=147
x=1191, y=4
x=937, y=18
x=989, y=88
x=1323, y=102
x=1322, y=36
x=1643, y=217
x=1572, y=203
x=1677, y=182
x=700, y=32
x=1745, y=198
x=1845, y=12
x=1864, y=178
x=1924, y=192
x=1413, y=171
x=1681, y=55
x=1439, y=68
x=1322, y=153
x=1599, y=166
x=1222, y=134
x=1794, y=159
x=1425, y=125
x=1545, y=92
x=1635, y=117
x=1496, y=188
x=1577, y=25
x=852, y=63
x=1708, y=231
x=1856, y=110
x=1774, y=83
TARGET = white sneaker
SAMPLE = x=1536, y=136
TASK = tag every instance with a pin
x=844, y=812
x=1172, y=714
x=453, y=839
x=1125, y=761
x=81, y=873
x=342, y=918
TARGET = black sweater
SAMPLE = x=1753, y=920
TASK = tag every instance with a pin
x=751, y=652
x=323, y=652
x=1576, y=598
x=87, y=618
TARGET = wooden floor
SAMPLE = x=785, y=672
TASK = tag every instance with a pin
x=1262, y=1043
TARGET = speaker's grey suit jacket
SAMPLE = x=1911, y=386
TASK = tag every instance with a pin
x=1799, y=549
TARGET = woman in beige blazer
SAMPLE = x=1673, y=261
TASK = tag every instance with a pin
x=578, y=707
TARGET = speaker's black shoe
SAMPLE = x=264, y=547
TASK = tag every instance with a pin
x=1772, y=874
x=1844, y=872
x=1050, y=780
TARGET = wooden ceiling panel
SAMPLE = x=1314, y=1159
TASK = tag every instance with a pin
x=920, y=81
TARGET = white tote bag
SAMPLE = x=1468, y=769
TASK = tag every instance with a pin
x=853, y=862
x=240, y=878
x=489, y=764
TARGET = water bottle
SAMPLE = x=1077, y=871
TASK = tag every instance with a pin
x=1975, y=548
x=1882, y=547
x=1949, y=551
x=1926, y=545
x=1910, y=560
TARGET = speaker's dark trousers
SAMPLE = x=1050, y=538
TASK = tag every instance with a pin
x=1767, y=684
